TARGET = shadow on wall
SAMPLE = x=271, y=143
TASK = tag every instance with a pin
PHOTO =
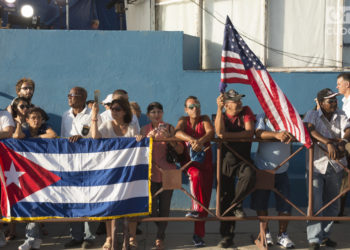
x=211, y=55
x=191, y=52
x=55, y=122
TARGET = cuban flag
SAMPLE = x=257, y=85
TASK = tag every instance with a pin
x=95, y=179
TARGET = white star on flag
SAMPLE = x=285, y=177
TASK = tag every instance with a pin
x=13, y=176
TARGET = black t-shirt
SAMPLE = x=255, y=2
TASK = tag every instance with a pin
x=236, y=124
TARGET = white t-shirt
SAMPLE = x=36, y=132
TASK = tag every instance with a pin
x=73, y=125
x=346, y=106
x=6, y=120
x=107, y=116
x=107, y=131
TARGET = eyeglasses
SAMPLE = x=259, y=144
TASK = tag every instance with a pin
x=116, y=109
x=156, y=112
x=22, y=106
x=73, y=95
x=27, y=88
x=194, y=105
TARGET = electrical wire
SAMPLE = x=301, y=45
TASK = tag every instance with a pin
x=292, y=55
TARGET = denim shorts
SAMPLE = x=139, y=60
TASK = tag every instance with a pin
x=260, y=198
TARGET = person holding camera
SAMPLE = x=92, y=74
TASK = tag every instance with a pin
x=330, y=127
x=158, y=129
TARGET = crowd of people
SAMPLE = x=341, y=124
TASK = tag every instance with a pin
x=327, y=125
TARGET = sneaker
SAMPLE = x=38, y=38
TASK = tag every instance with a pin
x=328, y=242
x=30, y=244
x=314, y=246
x=26, y=245
x=73, y=244
x=284, y=241
x=2, y=239
x=192, y=214
x=225, y=242
x=239, y=213
x=269, y=239
x=198, y=241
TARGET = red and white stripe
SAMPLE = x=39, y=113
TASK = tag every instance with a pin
x=275, y=104
x=232, y=68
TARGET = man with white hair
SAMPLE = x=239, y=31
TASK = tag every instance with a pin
x=343, y=86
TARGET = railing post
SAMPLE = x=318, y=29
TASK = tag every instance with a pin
x=218, y=177
x=311, y=170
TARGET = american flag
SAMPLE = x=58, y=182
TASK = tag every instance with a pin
x=240, y=65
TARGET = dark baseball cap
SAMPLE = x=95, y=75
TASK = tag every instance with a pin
x=326, y=94
x=232, y=95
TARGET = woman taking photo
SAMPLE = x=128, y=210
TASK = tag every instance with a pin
x=36, y=128
x=197, y=131
x=120, y=126
x=159, y=130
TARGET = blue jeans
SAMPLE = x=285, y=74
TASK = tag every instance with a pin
x=81, y=231
x=325, y=188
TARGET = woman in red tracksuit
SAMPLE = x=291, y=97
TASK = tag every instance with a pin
x=197, y=131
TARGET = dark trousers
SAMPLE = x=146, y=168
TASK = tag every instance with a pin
x=160, y=207
x=231, y=168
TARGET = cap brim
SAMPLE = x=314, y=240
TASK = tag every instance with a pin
x=236, y=98
x=331, y=96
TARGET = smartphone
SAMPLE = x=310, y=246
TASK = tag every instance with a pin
x=96, y=95
x=161, y=126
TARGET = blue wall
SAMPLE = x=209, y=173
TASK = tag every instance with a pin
x=149, y=65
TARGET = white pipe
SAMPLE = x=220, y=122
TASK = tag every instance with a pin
x=67, y=14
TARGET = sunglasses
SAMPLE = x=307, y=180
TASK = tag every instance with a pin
x=331, y=101
x=27, y=88
x=22, y=106
x=116, y=109
x=194, y=105
x=73, y=95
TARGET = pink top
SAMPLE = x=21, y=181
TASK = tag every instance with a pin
x=158, y=155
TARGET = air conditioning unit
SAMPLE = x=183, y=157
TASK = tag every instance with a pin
x=134, y=2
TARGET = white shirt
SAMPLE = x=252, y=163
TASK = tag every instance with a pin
x=107, y=116
x=338, y=123
x=270, y=154
x=107, y=131
x=73, y=125
x=6, y=120
x=346, y=106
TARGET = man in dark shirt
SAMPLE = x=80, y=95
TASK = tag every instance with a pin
x=237, y=122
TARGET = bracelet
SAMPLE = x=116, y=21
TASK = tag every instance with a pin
x=329, y=143
x=345, y=140
x=94, y=120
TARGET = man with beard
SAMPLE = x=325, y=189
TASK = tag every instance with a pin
x=24, y=88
